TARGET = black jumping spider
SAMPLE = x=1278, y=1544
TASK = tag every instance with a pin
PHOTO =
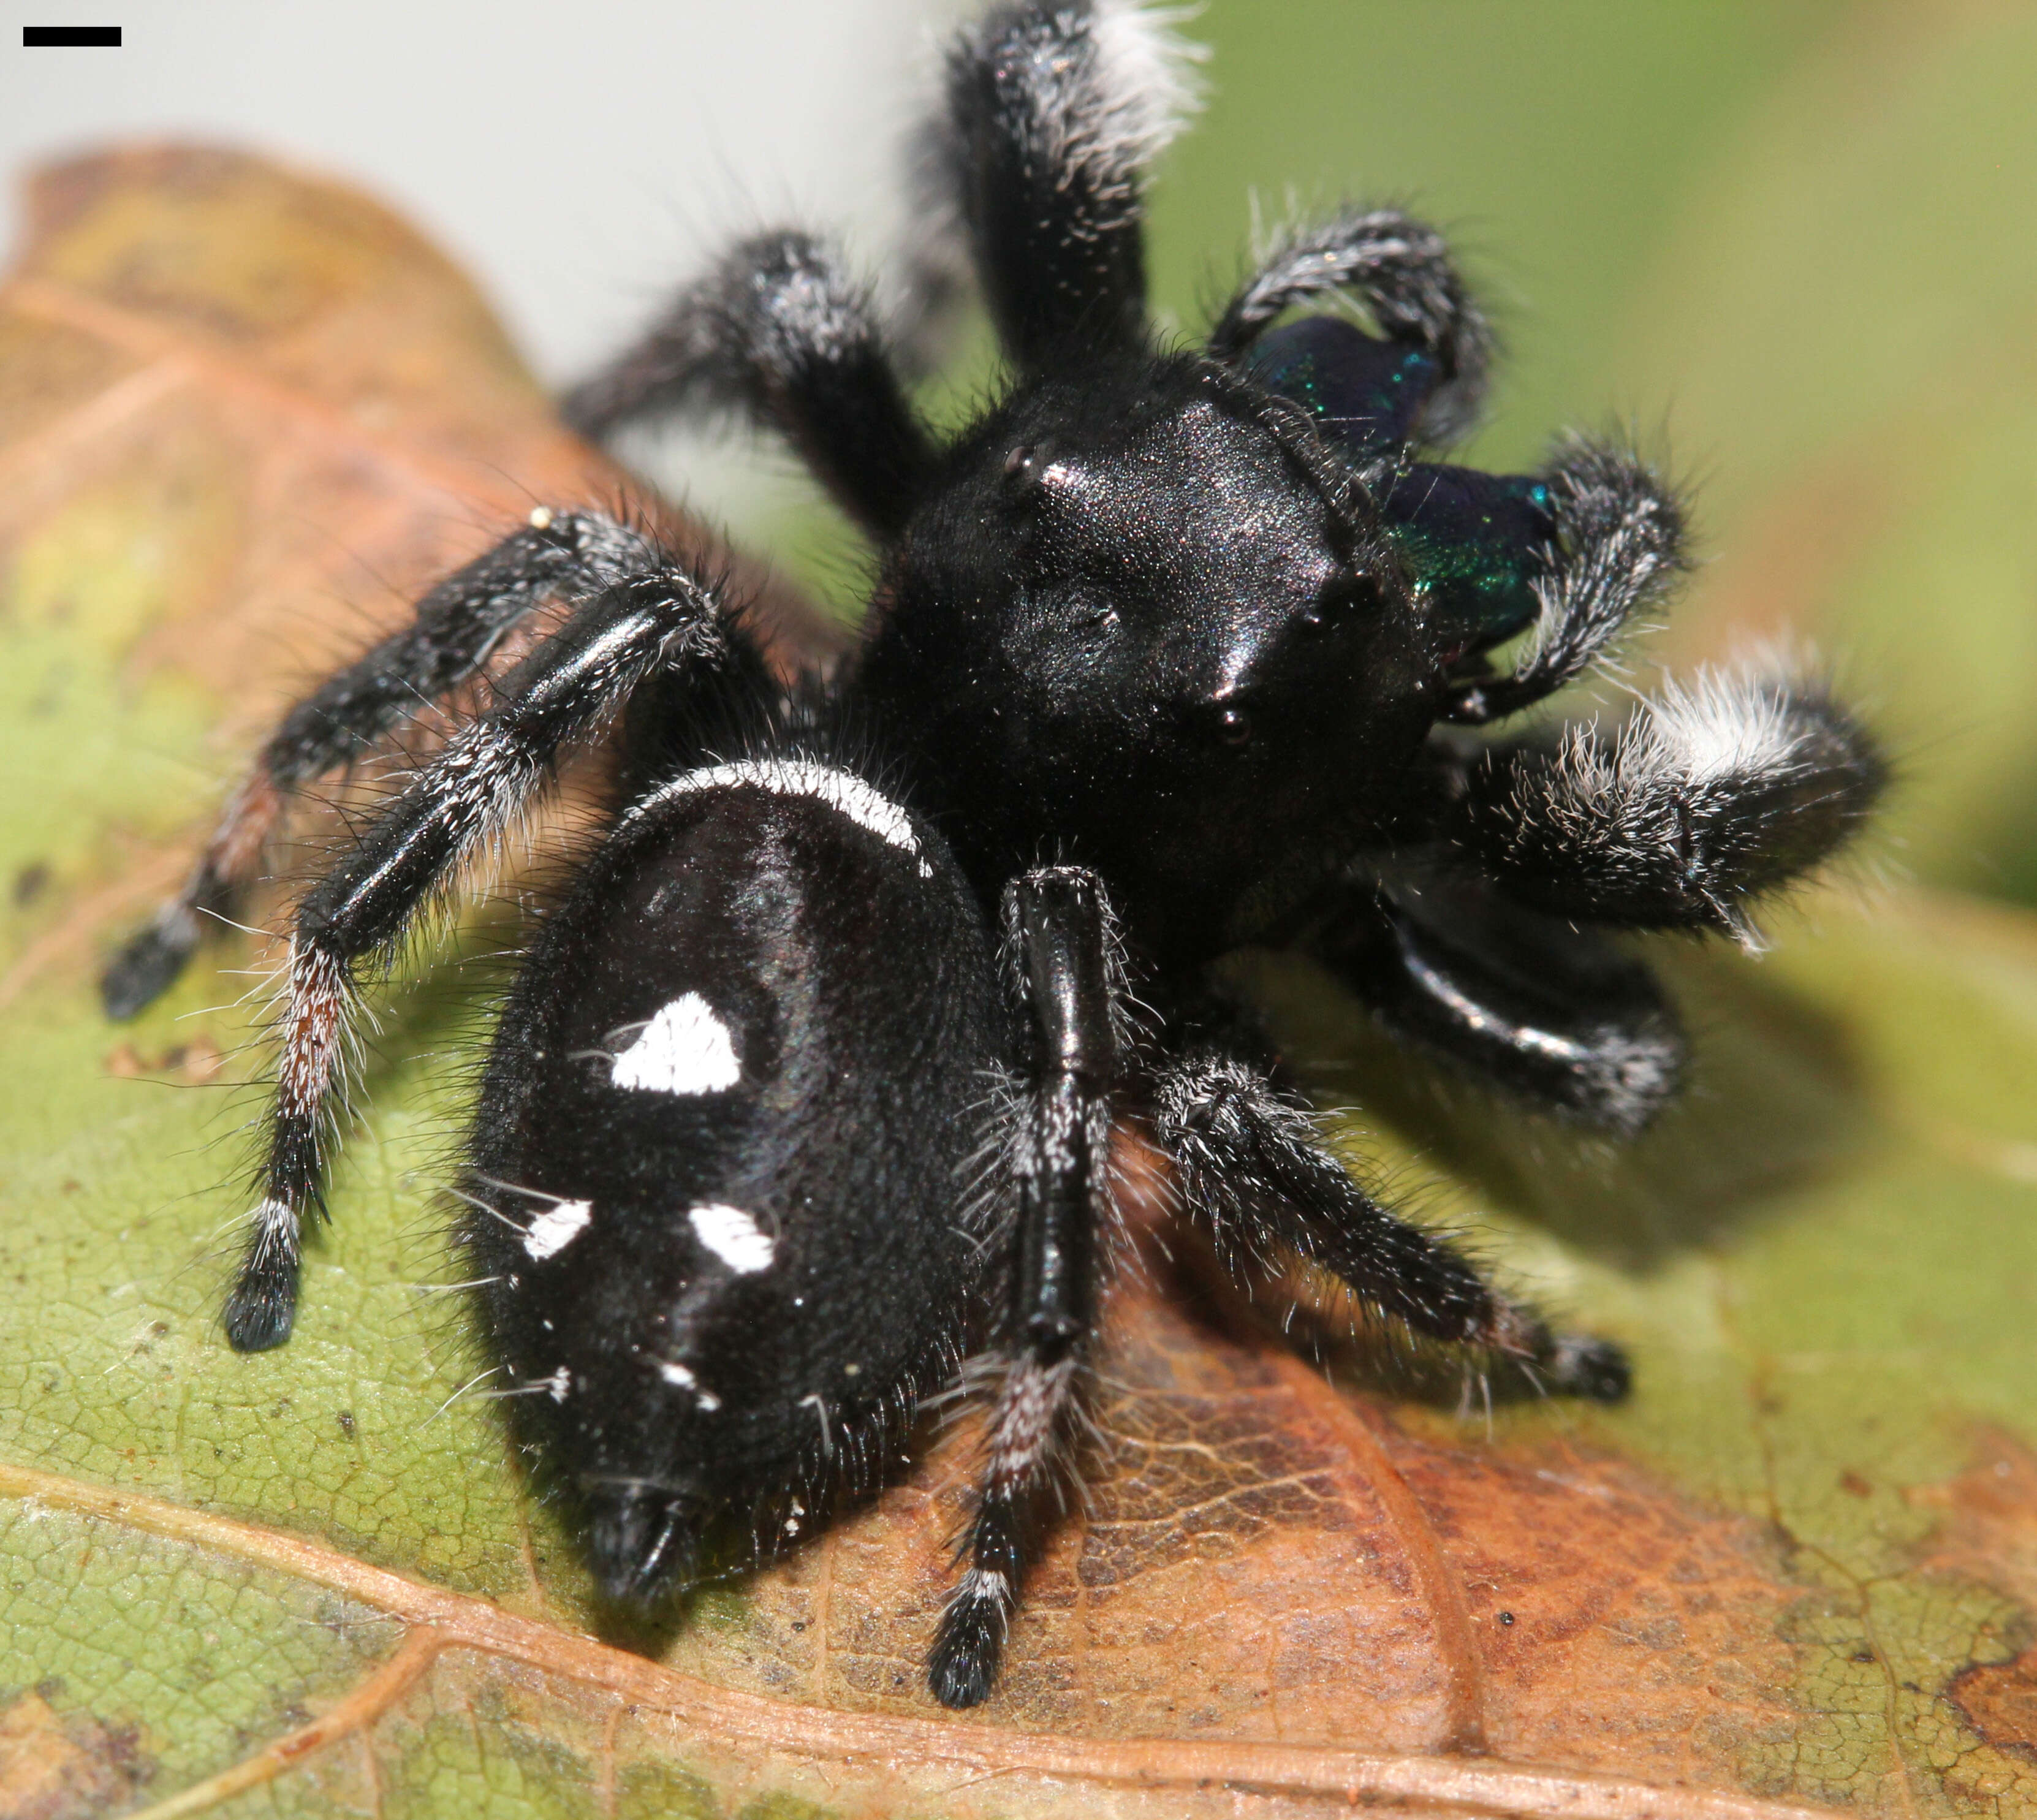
x=806, y=1087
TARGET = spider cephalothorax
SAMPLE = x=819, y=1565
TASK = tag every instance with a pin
x=1139, y=614
x=807, y=1088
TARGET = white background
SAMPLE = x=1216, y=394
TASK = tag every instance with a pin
x=579, y=158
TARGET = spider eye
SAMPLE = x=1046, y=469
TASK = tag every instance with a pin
x=1341, y=599
x=1234, y=726
x=1021, y=468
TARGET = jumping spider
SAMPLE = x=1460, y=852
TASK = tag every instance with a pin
x=807, y=1086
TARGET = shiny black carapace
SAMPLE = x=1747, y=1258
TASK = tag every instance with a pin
x=805, y=1091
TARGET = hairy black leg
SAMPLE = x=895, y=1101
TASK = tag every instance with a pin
x=150, y=960
x=1709, y=796
x=490, y=769
x=777, y=329
x=458, y=624
x=1053, y=112
x=1552, y=1014
x=1619, y=545
x=1400, y=271
x=1064, y=948
x=1252, y=1173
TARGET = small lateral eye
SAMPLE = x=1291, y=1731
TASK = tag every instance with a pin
x=1347, y=594
x=1234, y=726
x=1021, y=468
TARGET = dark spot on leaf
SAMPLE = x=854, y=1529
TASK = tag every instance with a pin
x=2000, y=1701
x=194, y=1062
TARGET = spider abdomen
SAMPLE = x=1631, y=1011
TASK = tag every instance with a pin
x=720, y=1168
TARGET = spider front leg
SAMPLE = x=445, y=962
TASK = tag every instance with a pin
x=1552, y=1014
x=490, y=769
x=1064, y=946
x=1251, y=1173
x=1053, y=112
x=456, y=627
x=1705, y=798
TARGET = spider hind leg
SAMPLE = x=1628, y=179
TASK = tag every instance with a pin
x=491, y=769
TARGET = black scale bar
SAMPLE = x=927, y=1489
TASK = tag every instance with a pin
x=81, y=36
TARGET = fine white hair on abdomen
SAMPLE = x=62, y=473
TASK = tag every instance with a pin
x=843, y=792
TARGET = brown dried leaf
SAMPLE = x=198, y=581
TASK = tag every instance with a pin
x=277, y=414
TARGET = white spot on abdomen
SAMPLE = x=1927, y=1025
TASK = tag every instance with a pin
x=556, y=1228
x=734, y=1236
x=685, y=1049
